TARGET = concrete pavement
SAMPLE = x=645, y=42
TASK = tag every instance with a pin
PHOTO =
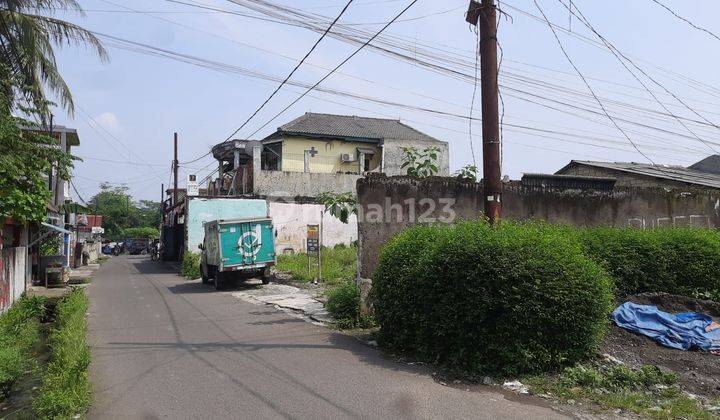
x=166, y=347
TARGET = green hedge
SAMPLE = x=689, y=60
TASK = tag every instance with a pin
x=682, y=261
x=66, y=390
x=517, y=297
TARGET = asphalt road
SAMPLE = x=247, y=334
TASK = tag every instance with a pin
x=166, y=347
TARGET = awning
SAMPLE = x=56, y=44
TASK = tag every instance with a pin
x=57, y=228
x=366, y=150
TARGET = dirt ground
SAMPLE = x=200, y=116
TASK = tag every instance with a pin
x=699, y=372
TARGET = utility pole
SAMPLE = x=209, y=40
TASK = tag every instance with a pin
x=484, y=15
x=162, y=204
x=175, y=173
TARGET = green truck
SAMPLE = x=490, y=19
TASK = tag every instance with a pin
x=237, y=249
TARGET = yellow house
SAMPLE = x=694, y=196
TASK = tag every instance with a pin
x=326, y=143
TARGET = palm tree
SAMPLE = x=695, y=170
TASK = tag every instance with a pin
x=28, y=36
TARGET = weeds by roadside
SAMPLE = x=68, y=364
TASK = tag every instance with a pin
x=647, y=390
x=191, y=265
x=66, y=390
x=339, y=264
x=344, y=305
x=19, y=334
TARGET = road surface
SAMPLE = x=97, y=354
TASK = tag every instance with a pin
x=166, y=347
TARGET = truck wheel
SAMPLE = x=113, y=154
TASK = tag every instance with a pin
x=219, y=279
x=266, y=275
x=203, y=274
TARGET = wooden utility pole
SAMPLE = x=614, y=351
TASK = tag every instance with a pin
x=175, y=173
x=162, y=203
x=484, y=15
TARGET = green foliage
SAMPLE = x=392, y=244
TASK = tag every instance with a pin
x=28, y=38
x=469, y=172
x=24, y=157
x=344, y=305
x=50, y=245
x=66, y=390
x=191, y=265
x=19, y=333
x=339, y=205
x=339, y=265
x=680, y=261
x=647, y=390
x=146, y=232
x=420, y=164
x=121, y=213
x=509, y=298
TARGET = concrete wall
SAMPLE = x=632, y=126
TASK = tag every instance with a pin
x=200, y=210
x=291, y=220
x=388, y=205
x=393, y=158
x=327, y=160
x=12, y=280
x=301, y=184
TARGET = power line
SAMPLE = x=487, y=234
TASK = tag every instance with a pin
x=338, y=66
x=297, y=66
x=567, y=56
x=686, y=20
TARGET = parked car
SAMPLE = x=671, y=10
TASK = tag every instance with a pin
x=237, y=249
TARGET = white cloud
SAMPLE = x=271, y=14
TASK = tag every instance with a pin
x=108, y=120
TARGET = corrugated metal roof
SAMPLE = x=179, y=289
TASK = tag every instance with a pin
x=669, y=172
x=350, y=126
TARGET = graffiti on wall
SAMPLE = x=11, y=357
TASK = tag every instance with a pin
x=693, y=220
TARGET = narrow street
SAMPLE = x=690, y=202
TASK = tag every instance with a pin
x=166, y=347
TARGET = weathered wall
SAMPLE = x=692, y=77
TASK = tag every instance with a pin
x=388, y=205
x=394, y=156
x=12, y=281
x=200, y=210
x=291, y=220
x=301, y=184
x=624, y=179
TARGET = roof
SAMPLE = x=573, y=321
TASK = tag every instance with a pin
x=710, y=164
x=568, y=181
x=70, y=133
x=668, y=172
x=350, y=127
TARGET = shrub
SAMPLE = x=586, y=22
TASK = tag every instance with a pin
x=66, y=390
x=680, y=261
x=510, y=298
x=344, y=304
x=191, y=265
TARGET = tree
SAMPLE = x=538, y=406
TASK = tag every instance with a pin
x=28, y=35
x=122, y=217
x=420, y=164
x=469, y=172
x=25, y=159
x=339, y=205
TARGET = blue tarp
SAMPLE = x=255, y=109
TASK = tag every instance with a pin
x=682, y=331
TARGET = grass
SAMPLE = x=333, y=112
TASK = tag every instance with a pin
x=19, y=335
x=647, y=391
x=66, y=391
x=339, y=265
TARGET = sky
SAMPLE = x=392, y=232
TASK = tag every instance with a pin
x=128, y=108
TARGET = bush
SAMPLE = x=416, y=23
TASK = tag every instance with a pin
x=66, y=390
x=339, y=265
x=191, y=265
x=19, y=333
x=344, y=304
x=516, y=297
x=680, y=261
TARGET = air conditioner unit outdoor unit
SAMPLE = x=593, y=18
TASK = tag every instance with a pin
x=347, y=157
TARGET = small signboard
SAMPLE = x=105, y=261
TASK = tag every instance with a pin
x=313, y=238
x=193, y=189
